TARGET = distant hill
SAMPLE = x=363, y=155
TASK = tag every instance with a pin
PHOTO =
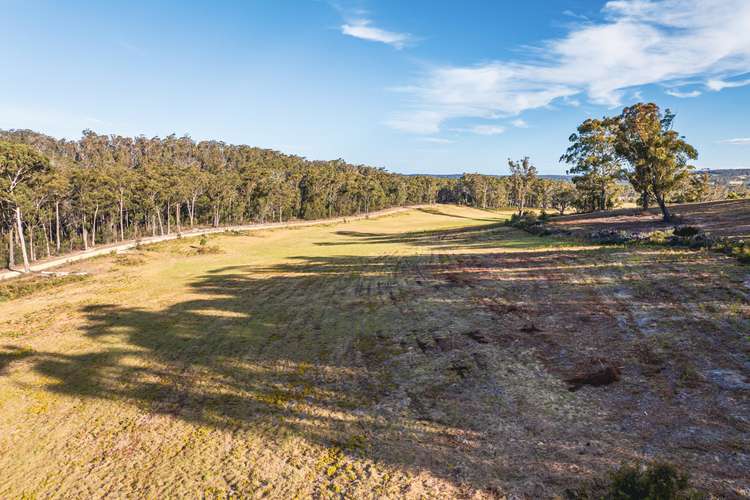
x=729, y=176
x=723, y=176
x=556, y=177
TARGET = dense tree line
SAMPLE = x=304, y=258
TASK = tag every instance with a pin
x=105, y=188
x=59, y=195
x=522, y=189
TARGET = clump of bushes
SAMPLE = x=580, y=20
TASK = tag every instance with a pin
x=686, y=231
x=522, y=221
x=204, y=248
x=617, y=237
x=656, y=481
x=531, y=223
x=126, y=259
x=659, y=237
x=739, y=249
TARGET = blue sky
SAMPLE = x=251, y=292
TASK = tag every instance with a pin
x=416, y=87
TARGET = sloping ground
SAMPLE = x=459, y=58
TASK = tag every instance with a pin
x=122, y=246
x=422, y=354
x=730, y=218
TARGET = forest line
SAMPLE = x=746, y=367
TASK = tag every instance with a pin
x=59, y=196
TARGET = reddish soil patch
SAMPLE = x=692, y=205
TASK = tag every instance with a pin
x=729, y=218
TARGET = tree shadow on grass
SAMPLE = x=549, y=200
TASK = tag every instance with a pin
x=435, y=211
x=495, y=235
x=10, y=354
x=450, y=363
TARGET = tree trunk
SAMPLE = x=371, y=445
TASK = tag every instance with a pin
x=644, y=200
x=46, y=239
x=177, y=216
x=93, y=227
x=521, y=203
x=161, y=224
x=666, y=216
x=11, y=249
x=32, y=252
x=57, y=226
x=122, y=222
x=85, y=233
x=169, y=227
x=153, y=224
x=23, y=243
x=190, y=207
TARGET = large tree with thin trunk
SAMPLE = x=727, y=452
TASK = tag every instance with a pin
x=19, y=166
x=596, y=164
x=657, y=154
x=523, y=177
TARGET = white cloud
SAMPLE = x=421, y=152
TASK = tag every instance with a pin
x=677, y=93
x=422, y=122
x=436, y=140
x=572, y=14
x=717, y=85
x=487, y=129
x=639, y=42
x=737, y=141
x=363, y=29
x=482, y=129
x=519, y=123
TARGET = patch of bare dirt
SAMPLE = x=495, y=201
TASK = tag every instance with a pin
x=730, y=218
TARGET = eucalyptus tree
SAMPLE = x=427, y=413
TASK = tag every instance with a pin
x=658, y=155
x=523, y=179
x=563, y=197
x=596, y=164
x=20, y=167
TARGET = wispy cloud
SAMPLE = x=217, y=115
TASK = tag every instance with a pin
x=717, y=85
x=519, y=123
x=738, y=141
x=677, y=93
x=487, y=129
x=436, y=140
x=364, y=29
x=481, y=129
x=638, y=42
x=574, y=15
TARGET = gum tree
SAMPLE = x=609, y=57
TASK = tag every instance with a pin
x=596, y=164
x=523, y=177
x=657, y=154
x=20, y=165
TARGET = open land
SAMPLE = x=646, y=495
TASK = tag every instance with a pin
x=428, y=353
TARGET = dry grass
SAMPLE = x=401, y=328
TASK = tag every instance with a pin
x=418, y=355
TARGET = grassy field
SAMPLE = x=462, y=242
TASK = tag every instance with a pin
x=422, y=354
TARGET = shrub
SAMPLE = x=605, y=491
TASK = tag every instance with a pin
x=656, y=481
x=523, y=220
x=659, y=237
x=207, y=249
x=614, y=237
x=687, y=231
